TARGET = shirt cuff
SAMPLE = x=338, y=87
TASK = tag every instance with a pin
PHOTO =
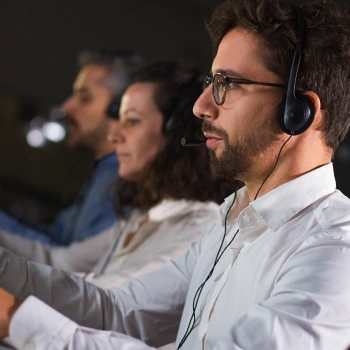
x=35, y=325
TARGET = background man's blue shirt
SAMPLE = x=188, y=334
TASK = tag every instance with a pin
x=91, y=213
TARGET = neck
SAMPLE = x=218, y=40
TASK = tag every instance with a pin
x=294, y=161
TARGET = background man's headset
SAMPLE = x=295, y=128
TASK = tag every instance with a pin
x=296, y=114
x=113, y=108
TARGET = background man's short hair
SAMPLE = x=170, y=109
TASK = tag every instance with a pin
x=120, y=64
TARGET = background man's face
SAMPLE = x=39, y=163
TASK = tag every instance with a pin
x=86, y=119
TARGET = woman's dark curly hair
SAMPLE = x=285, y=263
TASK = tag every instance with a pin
x=177, y=172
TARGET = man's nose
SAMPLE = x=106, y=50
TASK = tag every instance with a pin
x=205, y=106
x=68, y=105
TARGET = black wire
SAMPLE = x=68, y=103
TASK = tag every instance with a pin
x=192, y=321
x=198, y=293
x=274, y=167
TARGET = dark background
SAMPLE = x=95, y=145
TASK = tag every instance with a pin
x=39, y=43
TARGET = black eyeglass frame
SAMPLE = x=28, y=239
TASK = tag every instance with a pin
x=210, y=80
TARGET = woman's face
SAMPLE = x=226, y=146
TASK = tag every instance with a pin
x=138, y=135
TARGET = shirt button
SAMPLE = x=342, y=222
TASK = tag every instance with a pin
x=246, y=218
x=29, y=345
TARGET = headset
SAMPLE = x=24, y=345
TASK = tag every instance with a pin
x=112, y=110
x=172, y=121
x=296, y=112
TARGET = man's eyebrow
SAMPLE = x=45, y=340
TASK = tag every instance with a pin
x=228, y=73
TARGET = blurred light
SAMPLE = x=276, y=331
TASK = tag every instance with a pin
x=54, y=131
x=35, y=138
x=37, y=122
x=40, y=130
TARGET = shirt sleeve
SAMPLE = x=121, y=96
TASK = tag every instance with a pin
x=148, y=307
x=172, y=242
x=11, y=224
x=79, y=256
x=91, y=213
x=37, y=326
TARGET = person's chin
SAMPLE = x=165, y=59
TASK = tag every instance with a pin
x=124, y=173
x=130, y=175
x=78, y=144
x=216, y=152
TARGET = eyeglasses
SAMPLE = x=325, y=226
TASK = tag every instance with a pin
x=221, y=83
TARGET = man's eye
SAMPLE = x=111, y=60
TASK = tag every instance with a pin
x=230, y=85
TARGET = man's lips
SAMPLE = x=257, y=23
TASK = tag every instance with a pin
x=212, y=139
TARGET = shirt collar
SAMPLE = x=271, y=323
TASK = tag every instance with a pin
x=171, y=208
x=279, y=205
x=238, y=201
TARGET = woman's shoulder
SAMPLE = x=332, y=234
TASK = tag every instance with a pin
x=171, y=208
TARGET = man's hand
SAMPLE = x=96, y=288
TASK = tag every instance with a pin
x=8, y=306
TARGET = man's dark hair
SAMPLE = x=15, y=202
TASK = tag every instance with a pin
x=120, y=65
x=177, y=172
x=325, y=68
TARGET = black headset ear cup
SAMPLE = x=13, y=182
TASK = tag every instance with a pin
x=189, y=93
x=171, y=123
x=113, y=108
x=297, y=116
x=296, y=112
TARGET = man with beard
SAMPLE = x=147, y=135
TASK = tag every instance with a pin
x=273, y=273
x=102, y=78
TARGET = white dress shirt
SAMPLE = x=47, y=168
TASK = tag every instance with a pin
x=282, y=284
x=162, y=233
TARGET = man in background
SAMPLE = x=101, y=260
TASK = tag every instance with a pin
x=89, y=113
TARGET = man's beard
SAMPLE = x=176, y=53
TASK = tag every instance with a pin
x=79, y=139
x=71, y=129
x=236, y=159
